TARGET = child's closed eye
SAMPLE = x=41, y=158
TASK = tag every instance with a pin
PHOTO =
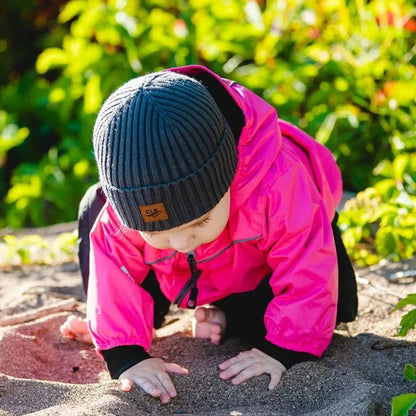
x=201, y=223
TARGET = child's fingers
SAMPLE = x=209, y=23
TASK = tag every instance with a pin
x=126, y=384
x=201, y=314
x=153, y=387
x=152, y=376
x=256, y=370
x=175, y=368
x=232, y=368
x=204, y=314
x=274, y=379
x=167, y=387
x=250, y=364
x=160, y=386
x=149, y=387
x=66, y=332
x=228, y=363
x=253, y=370
x=215, y=338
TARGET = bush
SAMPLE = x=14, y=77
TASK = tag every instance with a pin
x=341, y=70
x=381, y=221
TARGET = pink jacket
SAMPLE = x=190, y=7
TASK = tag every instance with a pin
x=283, y=198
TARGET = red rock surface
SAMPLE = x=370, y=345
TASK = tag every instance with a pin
x=38, y=351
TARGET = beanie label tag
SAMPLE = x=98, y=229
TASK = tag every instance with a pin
x=154, y=212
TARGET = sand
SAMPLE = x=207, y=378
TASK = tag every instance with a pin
x=43, y=374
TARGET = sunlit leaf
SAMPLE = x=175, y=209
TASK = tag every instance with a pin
x=410, y=299
x=410, y=372
x=81, y=168
x=386, y=187
x=405, y=199
x=326, y=129
x=57, y=95
x=407, y=322
x=71, y=9
x=51, y=58
x=253, y=14
x=401, y=405
x=33, y=188
x=11, y=135
x=93, y=96
x=401, y=91
x=400, y=164
x=128, y=22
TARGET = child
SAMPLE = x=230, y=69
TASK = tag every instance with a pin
x=209, y=199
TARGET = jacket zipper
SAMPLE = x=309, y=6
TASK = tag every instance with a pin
x=190, y=285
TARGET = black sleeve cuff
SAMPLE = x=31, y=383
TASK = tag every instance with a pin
x=119, y=359
x=287, y=357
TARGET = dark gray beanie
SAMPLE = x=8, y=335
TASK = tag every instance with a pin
x=164, y=151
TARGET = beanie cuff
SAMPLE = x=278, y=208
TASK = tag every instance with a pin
x=165, y=206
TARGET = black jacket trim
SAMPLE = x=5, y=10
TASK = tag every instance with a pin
x=287, y=357
x=120, y=359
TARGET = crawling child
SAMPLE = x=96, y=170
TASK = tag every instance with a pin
x=208, y=200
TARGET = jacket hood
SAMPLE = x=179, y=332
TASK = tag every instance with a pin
x=260, y=136
x=250, y=118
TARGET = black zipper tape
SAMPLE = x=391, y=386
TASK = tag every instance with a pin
x=190, y=285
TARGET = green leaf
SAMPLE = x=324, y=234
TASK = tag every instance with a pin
x=253, y=14
x=384, y=168
x=407, y=323
x=93, y=97
x=71, y=9
x=129, y=23
x=410, y=372
x=386, y=187
x=410, y=299
x=402, y=91
x=386, y=241
x=400, y=163
x=51, y=58
x=401, y=405
x=326, y=129
x=405, y=199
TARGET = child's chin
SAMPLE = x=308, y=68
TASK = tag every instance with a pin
x=186, y=250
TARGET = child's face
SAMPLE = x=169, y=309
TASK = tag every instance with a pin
x=189, y=236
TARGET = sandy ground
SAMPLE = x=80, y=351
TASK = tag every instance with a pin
x=44, y=374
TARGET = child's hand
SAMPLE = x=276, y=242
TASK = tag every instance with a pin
x=151, y=375
x=249, y=364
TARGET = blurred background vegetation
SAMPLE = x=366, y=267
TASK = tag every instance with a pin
x=342, y=70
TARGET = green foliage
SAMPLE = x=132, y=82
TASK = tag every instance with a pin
x=33, y=249
x=408, y=320
x=11, y=135
x=381, y=220
x=404, y=403
x=342, y=70
x=410, y=372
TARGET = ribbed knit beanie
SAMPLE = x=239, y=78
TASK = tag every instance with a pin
x=165, y=153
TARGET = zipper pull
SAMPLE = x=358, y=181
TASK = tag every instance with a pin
x=191, y=304
x=190, y=285
x=195, y=273
x=190, y=257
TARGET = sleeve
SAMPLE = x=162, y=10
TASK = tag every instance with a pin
x=119, y=311
x=119, y=359
x=287, y=357
x=301, y=253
